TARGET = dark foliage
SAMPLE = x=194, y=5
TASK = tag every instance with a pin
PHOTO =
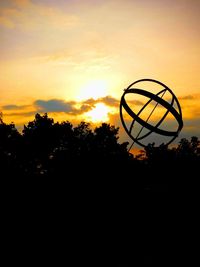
x=49, y=149
x=46, y=148
x=97, y=191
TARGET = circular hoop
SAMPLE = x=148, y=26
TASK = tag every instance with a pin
x=169, y=108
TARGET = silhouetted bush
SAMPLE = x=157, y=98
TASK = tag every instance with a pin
x=99, y=196
x=46, y=148
x=49, y=149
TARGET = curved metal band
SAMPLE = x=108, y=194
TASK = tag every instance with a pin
x=163, y=85
x=158, y=124
x=158, y=100
x=169, y=107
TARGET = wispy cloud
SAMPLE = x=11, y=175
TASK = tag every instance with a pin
x=20, y=114
x=14, y=107
x=186, y=97
x=21, y=3
x=18, y=14
x=107, y=100
x=54, y=105
x=58, y=105
x=76, y=59
x=136, y=102
x=70, y=107
x=110, y=101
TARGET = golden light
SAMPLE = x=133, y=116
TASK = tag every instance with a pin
x=93, y=89
x=98, y=114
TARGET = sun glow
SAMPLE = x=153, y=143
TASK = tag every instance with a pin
x=94, y=89
x=98, y=114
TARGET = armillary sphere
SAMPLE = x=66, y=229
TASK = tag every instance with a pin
x=170, y=106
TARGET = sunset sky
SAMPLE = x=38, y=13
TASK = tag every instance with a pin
x=73, y=58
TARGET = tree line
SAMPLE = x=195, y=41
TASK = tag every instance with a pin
x=48, y=148
x=106, y=179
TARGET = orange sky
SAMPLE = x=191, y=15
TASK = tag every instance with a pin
x=73, y=58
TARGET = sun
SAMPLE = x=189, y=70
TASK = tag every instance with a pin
x=98, y=114
x=94, y=89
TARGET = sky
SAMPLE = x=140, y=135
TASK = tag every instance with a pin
x=73, y=58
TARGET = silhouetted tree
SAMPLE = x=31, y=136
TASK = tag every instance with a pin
x=189, y=149
x=1, y=117
x=10, y=145
x=106, y=143
x=48, y=148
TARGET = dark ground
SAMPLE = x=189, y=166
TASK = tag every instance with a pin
x=75, y=196
x=107, y=217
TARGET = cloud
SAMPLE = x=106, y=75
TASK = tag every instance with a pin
x=195, y=96
x=110, y=101
x=58, y=105
x=190, y=128
x=136, y=102
x=84, y=108
x=73, y=108
x=90, y=101
x=20, y=114
x=107, y=100
x=21, y=3
x=8, y=16
x=48, y=106
x=54, y=105
x=27, y=15
x=74, y=58
x=7, y=23
x=14, y=107
x=186, y=97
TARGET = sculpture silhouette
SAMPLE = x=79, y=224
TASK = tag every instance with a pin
x=158, y=99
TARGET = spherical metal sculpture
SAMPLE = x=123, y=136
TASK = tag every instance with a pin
x=171, y=106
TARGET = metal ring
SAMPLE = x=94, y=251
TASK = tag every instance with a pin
x=151, y=96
